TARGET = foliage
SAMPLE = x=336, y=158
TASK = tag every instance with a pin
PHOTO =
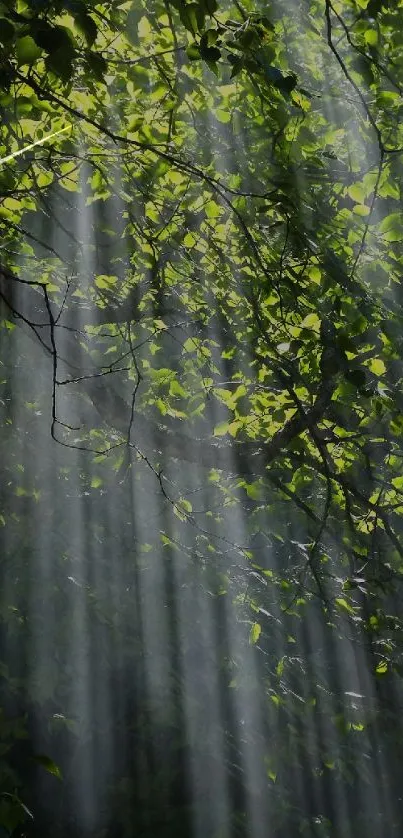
x=201, y=263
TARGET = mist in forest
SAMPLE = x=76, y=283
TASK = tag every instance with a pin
x=172, y=660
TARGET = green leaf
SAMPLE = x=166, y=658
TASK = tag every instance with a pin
x=280, y=667
x=185, y=504
x=343, y=604
x=210, y=53
x=255, y=633
x=357, y=192
x=13, y=813
x=52, y=38
x=253, y=490
x=104, y=281
x=135, y=123
x=393, y=221
x=237, y=66
x=371, y=37
x=212, y=209
x=176, y=389
x=221, y=429
x=189, y=15
x=144, y=27
x=48, y=764
x=311, y=321
x=60, y=62
x=96, y=65
x=27, y=51
x=315, y=274
x=377, y=366
x=193, y=52
x=189, y=240
x=87, y=26
x=223, y=116
x=361, y=209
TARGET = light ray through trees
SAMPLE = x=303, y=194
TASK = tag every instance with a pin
x=201, y=344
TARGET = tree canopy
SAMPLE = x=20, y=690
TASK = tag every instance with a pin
x=201, y=333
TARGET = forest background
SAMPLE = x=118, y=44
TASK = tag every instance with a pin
x=202, y=418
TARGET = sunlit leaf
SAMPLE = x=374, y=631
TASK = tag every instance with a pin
x=27, y=51
x=255, y=633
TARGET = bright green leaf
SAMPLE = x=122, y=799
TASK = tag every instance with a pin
x=255, y=633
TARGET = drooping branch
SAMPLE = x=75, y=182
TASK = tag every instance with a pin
x=34, y=313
